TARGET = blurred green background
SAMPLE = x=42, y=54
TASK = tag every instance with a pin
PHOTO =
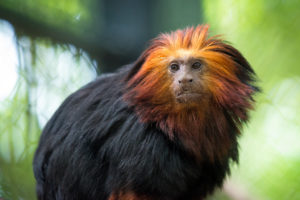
x=48, y=49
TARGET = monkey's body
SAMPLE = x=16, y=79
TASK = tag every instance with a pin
x=120, y=154
x=136, y=135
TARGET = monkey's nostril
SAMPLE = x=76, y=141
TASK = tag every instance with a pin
x=185, y=81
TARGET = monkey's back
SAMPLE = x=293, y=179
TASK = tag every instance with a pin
x=95, y=146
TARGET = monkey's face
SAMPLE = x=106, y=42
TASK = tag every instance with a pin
x=187, y=82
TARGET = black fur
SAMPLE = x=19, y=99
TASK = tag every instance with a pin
x=95, y=145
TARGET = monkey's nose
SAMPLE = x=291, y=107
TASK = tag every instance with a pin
x=185, y=80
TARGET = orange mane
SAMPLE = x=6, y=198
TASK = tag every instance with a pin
x=228, y=80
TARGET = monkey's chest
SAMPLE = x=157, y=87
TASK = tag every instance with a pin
x=147, y=162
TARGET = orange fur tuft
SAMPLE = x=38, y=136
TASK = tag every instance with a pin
x=227, y=79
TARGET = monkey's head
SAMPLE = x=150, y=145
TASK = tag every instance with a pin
x=187, y=71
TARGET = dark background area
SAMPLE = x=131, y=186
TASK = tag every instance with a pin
x=114, y=34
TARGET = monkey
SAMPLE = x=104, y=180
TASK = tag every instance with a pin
x=163, y=128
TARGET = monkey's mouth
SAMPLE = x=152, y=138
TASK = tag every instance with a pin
x=187, y=97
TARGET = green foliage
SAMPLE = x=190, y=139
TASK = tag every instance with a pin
x=42, y=70
x=265, y=31
x=68, y=15
x=19, y=134
x=268, y=34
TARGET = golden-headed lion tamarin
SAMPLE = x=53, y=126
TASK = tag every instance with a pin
x=163, y=128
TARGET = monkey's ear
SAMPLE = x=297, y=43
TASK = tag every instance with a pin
x=137, y=65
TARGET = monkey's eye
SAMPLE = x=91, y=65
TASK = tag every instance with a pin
x=196, y=65
x=174, y=67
